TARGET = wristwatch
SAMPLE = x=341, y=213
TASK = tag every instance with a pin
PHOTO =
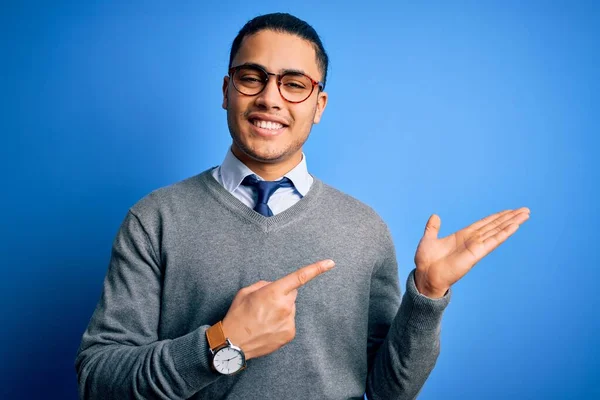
x=227, y=359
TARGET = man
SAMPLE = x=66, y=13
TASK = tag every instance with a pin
x=223, y=285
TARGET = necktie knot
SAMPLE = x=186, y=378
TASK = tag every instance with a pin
x=264, y=191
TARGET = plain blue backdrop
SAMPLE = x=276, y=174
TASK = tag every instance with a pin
x=456, y=108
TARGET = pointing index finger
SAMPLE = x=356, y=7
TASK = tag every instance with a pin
x=302, y=276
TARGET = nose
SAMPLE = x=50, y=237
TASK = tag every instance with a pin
x=270, y=96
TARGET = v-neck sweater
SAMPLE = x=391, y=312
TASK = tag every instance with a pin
x=184, y=251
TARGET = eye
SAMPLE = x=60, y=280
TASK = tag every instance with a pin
x=295, y=85
x=295, y=82
x=250, y=75
x=250, y=78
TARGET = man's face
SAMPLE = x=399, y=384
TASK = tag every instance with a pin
x=275, y=52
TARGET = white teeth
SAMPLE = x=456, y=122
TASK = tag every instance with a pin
x=267, y=124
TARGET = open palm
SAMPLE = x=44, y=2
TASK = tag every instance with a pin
x=442, y=262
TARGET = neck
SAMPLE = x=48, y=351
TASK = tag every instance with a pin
x=269, y=171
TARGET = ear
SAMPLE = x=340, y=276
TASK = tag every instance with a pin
x=321, y=104
x=225, y=92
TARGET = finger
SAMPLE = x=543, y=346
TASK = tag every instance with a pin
x=491, y=243
x=432, y=228
x=484, y=221
x=517, y=219
x=302, y=276
x=509, y=216
x=476, y=247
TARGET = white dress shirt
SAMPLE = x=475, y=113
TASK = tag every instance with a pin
x=232, y=172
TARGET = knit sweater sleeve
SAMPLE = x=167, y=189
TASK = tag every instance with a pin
x=404, y=342
x=121, y=356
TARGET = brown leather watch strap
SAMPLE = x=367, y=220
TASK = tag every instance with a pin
x=215, y=336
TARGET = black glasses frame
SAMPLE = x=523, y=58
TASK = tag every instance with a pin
x=278, y=78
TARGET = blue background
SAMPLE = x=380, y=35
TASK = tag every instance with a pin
x=460, y=110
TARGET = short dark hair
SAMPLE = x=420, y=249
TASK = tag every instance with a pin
x=286, y=23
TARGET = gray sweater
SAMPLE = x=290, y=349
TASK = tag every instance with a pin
x=183, y=252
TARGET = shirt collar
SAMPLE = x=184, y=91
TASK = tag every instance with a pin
x=233, y=172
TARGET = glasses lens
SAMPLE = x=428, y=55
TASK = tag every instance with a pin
x=295, y=87
x=249, y=80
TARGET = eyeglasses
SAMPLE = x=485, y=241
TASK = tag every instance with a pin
x=293, y=86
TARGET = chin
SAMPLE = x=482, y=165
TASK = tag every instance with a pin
x=263, y=150
x=267, y=156
x=264, y=154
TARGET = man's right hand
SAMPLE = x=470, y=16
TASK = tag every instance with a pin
x=261, y=318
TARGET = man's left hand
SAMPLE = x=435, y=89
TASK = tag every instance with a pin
x=442, y=262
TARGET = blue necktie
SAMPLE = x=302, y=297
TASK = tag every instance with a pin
x=265, y=189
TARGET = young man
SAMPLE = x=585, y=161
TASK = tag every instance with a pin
x=223, y=285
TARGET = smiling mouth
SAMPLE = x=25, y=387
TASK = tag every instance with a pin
x=269, y=125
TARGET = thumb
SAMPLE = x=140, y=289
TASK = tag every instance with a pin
x=255, y=286
x=433, y=227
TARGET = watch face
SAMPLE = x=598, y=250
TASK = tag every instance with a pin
x=228, y=360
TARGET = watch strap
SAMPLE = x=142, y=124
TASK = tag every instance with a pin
x=215, y=336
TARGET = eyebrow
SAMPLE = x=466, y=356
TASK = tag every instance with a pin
x=281, y=72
